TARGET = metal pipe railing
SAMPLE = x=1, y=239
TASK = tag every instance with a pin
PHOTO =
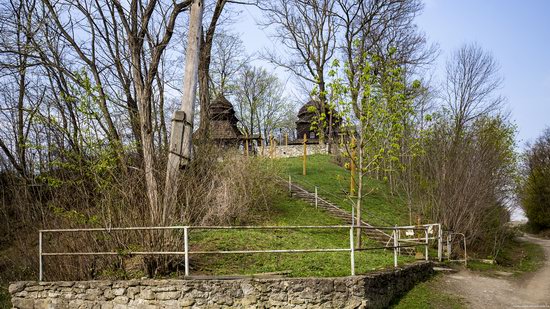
x=186, y=252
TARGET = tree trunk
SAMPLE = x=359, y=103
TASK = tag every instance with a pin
x=205, y=48
x=359, y=187
x=182, y=129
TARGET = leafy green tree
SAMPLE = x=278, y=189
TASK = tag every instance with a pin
x=535, y=192
x=376, y=119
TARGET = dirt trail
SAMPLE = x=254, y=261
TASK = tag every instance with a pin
x=531, y=291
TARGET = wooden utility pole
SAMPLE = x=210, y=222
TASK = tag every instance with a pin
x=179, y=149
x=305, y=154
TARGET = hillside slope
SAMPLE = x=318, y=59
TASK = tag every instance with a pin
x=380, y=207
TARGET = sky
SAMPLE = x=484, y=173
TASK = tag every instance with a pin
x=517, y=33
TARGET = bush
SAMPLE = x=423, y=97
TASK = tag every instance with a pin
x=535, y=189
x=220, y=187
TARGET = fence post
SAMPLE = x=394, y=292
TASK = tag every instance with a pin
x=449, y=242
x=427, y=242
x=40, y=273
x=305, y=155
x=352, y=251
x=316, y=203
x=398, y=238
x=290, y=185
x=186, y=249
x=395, y=244
x=465, y=252
x=439, y=243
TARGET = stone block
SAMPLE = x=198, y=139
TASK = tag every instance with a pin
x=167, y=295
x=22, y=303
x=186, y=302
x=121, y=300
x=147, y=294
x=16, y=287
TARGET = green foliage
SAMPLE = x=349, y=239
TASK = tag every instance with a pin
x=429, y=295
x=535, y=189
x=381, y=208
x=5, y=301
x=378, y=107
x=287, y=211
x=516, y=256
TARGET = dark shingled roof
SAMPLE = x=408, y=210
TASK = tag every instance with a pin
x=223, y=122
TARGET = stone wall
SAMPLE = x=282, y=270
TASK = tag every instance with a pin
x=375, y=290
x=282, y=151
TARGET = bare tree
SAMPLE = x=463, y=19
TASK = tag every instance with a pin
x=229, y=58
x=260, y=104
x=136, y=24
x=375, y=28
x=307, y=29
x=471, y=84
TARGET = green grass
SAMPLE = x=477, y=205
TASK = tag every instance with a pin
x=515, y=256
x=5, y=301
x=429, y=295
x=379, y=207
x=286, y=211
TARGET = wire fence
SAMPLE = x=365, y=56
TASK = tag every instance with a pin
x=184, y=250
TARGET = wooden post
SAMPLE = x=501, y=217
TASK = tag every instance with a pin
x=271, y=146
x=352, y=168
x=179, y=149
x=286, y=139
x=305, y=154
x=246, y=144
x=262, y=144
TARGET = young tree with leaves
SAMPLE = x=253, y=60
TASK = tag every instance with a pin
x=377, y=118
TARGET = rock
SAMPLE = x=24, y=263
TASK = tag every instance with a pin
x=22, y=303
x=16, y=287
x=132, y=292
x=167, y=295
x=119, y=291
x=186, y=302
x=249, y=300
x=147, y=294
x=108, y=294
x=121, y=300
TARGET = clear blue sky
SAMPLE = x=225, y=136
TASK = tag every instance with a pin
x=517, y=33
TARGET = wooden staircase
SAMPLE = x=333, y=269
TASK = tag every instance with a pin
x=346, y=217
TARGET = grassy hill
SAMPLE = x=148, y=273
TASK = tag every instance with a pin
x=286, y=211
x=380, y=207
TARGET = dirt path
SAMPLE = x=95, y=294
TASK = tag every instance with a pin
x=530, y=291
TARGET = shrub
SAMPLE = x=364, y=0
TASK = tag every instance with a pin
x=219, y=187
x=535, y=189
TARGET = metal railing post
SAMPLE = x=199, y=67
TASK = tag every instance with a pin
x=439, y=243
x=352, y=251
x=449, y=242
x=395, y=245
x=40, y=272
x=427, y=243
x=186, y=249
x=398, y=238
x=465, y=252
x=316, y=203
